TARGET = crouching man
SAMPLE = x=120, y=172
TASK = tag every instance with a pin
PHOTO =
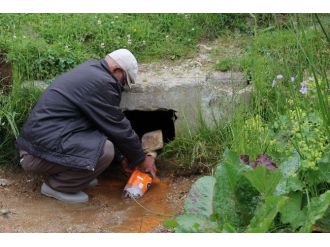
x=76, y=128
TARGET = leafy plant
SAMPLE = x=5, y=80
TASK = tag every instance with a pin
x=220, y=203
x=198, y=208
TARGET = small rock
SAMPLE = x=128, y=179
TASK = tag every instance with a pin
x=152, y=141
x=4, y=182
x=5, y=212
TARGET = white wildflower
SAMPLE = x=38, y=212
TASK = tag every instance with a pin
x=99, y=22
x=102, y=45
x=303, y=90
x=279, y=76
x=274, y=83
x=293, y=79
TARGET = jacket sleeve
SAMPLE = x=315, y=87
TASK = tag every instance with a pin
x=102, y=107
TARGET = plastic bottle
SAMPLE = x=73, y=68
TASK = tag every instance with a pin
x=138, y=184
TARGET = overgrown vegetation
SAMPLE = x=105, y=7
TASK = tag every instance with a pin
x=288, y=121
x=239, y=198
x=13, y=112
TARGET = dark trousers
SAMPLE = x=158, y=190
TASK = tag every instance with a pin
x=67, y=179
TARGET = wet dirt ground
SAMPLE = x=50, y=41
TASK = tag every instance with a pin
x=24, y=209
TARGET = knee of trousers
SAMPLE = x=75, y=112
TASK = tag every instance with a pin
x=30, y=163
x=108, y=152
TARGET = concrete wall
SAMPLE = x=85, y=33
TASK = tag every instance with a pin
x=215, y=96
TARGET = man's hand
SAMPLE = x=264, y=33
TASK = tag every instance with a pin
x=148, y=166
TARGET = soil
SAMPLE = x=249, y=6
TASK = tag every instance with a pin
x=198, y=66
x=24, y=209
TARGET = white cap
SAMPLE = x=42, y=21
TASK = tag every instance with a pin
x=126, y=60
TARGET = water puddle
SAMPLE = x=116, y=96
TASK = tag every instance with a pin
x=127, y=215
x=106, y=211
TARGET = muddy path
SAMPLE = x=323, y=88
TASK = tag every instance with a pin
x=24, y=209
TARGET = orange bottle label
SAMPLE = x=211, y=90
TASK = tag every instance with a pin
x=140, y=180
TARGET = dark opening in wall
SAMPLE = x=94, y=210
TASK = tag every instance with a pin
x=146, y=121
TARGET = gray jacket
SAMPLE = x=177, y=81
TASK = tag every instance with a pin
x=75, y=115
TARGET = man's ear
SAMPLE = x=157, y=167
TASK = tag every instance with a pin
x=117, y=69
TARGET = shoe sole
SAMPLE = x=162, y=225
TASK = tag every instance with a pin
x=60, y=199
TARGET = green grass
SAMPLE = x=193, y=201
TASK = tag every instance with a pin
x=290, y=51
x=13, y=112
x=198, y=150
x=228, y=63
x=43, y=45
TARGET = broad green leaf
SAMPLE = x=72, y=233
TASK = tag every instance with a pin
x=291, y=213
x=324, y=223
x=264, y=180
x=290, y=181
x=293, y=183
x=232, y=158
x=228, y=176
x=266, y=214
x=316, y=210
x=200, y=198
x=248, y=200
x=289, y=184
x=195, y=223
x=290, y=166
x=234, y=167
x=226, y=203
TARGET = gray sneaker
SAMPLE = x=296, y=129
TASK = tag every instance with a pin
x=66, y=197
